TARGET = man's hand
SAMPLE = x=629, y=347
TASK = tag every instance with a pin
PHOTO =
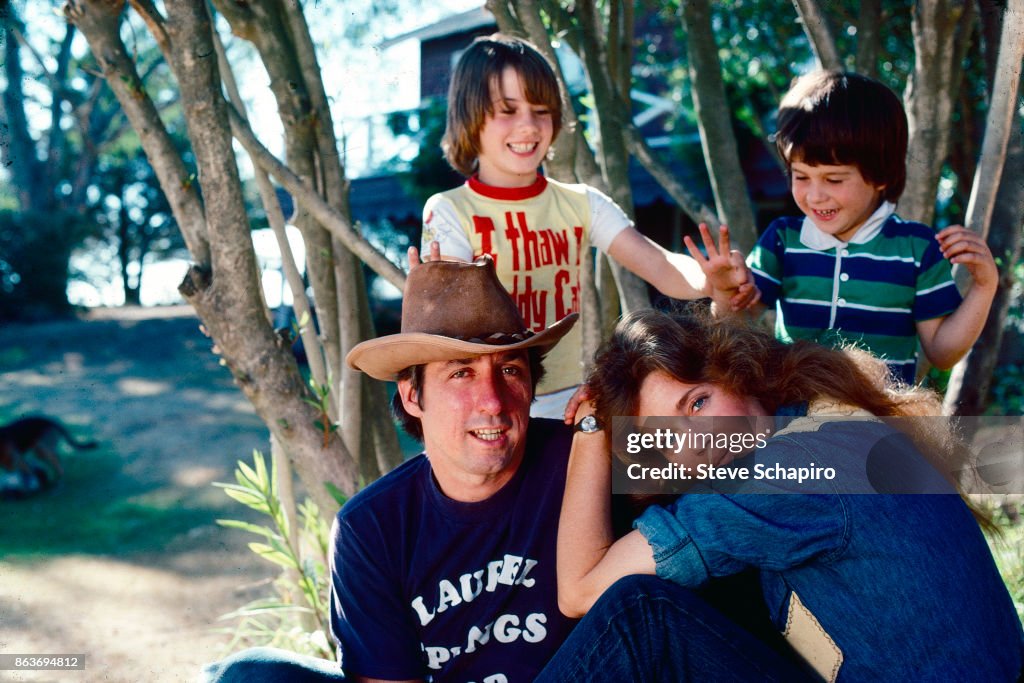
x=968, y=248
x=726, y=273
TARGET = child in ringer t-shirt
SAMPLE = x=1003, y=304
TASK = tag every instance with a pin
x=504, y=112
x=850, y=270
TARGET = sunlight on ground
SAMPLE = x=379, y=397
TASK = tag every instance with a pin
x=74, y=362
x=197, y=476
x=29, y=378
x=132, y=622
x=134, y=386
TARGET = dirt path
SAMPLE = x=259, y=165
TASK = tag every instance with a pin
x=123, y=561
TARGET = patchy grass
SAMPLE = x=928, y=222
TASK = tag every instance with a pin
x=96, y=509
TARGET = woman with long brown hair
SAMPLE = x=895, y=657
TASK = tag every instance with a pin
x=864, y=586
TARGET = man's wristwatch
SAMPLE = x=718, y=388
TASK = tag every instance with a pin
x=589, y=424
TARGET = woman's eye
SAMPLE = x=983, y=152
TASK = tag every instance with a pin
x=698, y=404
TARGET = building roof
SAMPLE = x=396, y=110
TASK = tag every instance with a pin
x=457, y=23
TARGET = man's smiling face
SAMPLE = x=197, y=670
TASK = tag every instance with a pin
x=474, y=414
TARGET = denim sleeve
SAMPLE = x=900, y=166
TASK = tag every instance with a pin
x=676, y=556
x=715, y=534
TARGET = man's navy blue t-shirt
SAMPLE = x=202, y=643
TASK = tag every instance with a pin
x=428, y=587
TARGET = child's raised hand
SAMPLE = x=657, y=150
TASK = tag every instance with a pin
x=968, y=248
x=414, y=255
x=724, y=268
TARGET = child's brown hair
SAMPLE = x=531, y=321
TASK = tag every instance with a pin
x=470, y=97
x=832, y=117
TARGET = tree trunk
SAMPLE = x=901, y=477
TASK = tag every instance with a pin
x=971, y=379
x=19, y=154
x=929, y=101
x=612, y=111
x=714, y=121
x=869, y=22
x=229, y=302
x=995, y=187
x=57, y=143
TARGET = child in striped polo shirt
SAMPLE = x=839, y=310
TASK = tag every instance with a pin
x=850, y=270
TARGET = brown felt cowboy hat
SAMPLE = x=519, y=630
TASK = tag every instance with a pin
x=452, y=310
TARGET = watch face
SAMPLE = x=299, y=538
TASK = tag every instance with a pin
x=589, y=424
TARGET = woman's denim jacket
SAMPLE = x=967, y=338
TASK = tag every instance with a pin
x=866, y=586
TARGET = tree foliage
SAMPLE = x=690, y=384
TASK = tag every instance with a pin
x=72, y=157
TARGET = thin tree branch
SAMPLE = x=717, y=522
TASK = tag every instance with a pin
x=818, y=33
x=155, y=22
x=314, y=352
x=697, y=210
x=328, y=216
x=101, y=29
x=1002, y=111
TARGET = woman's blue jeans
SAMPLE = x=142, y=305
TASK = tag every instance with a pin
x=647, y=629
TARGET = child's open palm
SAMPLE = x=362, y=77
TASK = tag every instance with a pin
x=726, y=272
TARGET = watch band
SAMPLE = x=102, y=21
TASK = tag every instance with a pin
x=589, y=424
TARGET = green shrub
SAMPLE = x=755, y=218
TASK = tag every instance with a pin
x=1007, y=391
x=294, y=617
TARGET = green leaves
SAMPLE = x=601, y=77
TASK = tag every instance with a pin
x=278, y=621
x=339, y=497
x=276, y=552
x=322, y=403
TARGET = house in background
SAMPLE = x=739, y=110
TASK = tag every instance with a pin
x=384, y=195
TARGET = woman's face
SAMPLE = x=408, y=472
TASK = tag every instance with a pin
x=665, y=396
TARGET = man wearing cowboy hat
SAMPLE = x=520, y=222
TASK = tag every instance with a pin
x=446, y=566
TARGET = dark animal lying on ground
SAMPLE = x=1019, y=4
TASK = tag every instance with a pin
x=29, y=456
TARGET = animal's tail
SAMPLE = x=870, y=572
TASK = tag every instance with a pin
x=72, y=441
